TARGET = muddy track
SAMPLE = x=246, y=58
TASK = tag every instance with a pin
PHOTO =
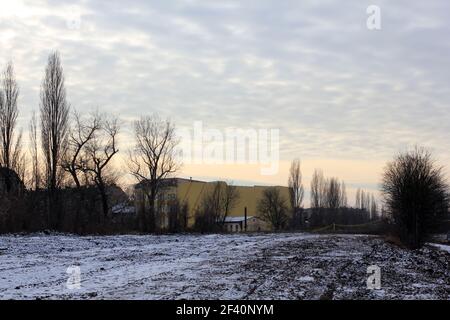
x=281, y=266
x=274, y=273
x=341, y=279
x=331, y=268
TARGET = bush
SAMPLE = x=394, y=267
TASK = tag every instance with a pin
x=416, y=196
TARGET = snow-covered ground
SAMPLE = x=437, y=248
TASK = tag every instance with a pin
x=265, y=266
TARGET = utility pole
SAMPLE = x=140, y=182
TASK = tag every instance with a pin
x=245, y=219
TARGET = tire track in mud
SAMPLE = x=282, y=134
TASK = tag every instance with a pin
x=261, y=265
x=312, y=268
x=219, y=267
x=405, y=274
x=289, y=270
x=341, y=281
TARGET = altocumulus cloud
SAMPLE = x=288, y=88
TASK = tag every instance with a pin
x=311, y=68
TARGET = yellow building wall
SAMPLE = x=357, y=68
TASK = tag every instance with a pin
x=191, y=192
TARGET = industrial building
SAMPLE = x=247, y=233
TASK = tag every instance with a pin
x=189, y=192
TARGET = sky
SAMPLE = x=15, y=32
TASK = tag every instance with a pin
x=344, y=98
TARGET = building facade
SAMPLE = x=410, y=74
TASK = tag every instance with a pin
x=190, y=193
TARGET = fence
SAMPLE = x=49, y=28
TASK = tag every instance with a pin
x=373, y=227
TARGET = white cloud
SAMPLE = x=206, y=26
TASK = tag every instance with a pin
x=312, y=69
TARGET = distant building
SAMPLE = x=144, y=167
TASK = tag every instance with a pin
x=119, y=200
x=116, y=195
x=191, y=192
x=240, y=224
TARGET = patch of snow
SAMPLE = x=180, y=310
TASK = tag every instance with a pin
x=218, y=266
x=306, y=279
x=439, y=246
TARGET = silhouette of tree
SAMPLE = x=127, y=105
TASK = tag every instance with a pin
x=416, y=195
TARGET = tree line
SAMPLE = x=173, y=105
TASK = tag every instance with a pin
x=328, y=203
x=68, y=171
x=70, y=157
x=70, y=178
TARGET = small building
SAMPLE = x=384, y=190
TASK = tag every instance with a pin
x=239, y=224
x=116, y=196
x=119, y=201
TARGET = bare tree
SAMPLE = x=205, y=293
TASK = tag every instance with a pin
x=367, y=199
x=363, y=201
x=296, y=192
x=317, y=189
x=373, y=208
x=358, y=199
x=178, y=216
x=54, y=120
x=296, y=188
x=216, y=205
x=272, y=208
x=100, y=149
x=333, y=194
x=328, y=198
x=344, y=201
x=82, y=132
x=318, y=192
x=35, y=170
x=10, y=151
x=415, y=194
x=19, y=160
x=229, y=200
x=326, y=192
x=153, y=159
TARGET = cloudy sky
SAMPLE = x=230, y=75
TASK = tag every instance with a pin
x=345, y=98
